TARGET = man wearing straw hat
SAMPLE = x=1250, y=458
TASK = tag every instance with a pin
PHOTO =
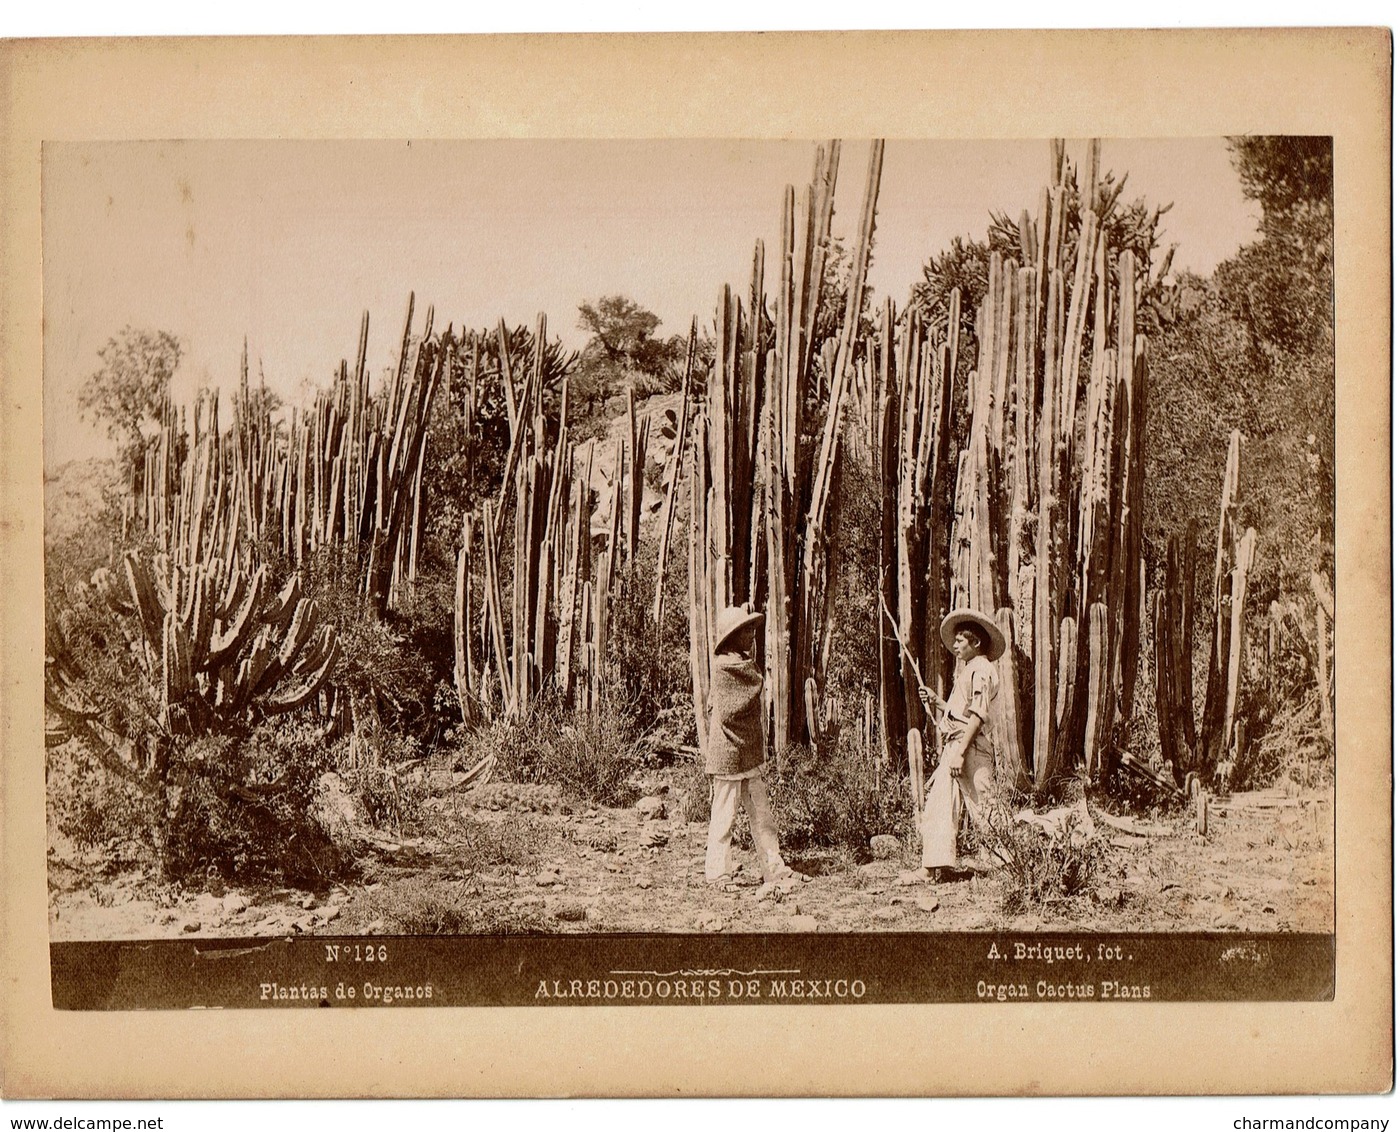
x=734, y=747
x=967, y=770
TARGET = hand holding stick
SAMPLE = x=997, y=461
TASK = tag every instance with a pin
x=926, y=694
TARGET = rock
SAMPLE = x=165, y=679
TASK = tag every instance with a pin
x=441, y=781
x=234, y=904
x=306, y=903
x=374, y=927
x=547, y=878
x=340, y=814
x=611, y=867
x=783, y=886
x=641, y=882
x=603, y=840
x=926, y=902
x=306, y=924
x=653, y=839
x=803, y=923
x=330, y=912
x=571, y=911
x=652, y=808
x=885, y=847
x=190, y=926
x=1108, y=896
x=710, y=922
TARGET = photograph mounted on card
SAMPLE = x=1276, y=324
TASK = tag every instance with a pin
x=856, y=568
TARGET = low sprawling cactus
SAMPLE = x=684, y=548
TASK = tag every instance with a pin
x=215, y=648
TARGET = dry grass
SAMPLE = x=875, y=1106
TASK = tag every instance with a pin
x=435, y=906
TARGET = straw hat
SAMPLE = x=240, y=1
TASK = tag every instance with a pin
x=996, y=640
x=733, y=618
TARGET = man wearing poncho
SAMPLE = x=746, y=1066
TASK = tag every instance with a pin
x=734, y=748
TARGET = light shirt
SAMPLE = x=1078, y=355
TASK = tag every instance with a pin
x=974, y=689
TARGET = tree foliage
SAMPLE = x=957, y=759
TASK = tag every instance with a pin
x=622, y=349
x=126, y=392
x=1280, y=287
x=1252, y=349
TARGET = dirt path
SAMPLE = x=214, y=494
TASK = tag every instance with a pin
x=523, y=859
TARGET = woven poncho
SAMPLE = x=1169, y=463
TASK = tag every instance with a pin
x=735, y=742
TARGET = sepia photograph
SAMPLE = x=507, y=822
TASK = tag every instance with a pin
x=866, y=569
x=940, y=541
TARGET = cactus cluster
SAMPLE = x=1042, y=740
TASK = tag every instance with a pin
x=1045, y=526
x=547, y=625
x=214, y=644
x=760, y=524
x=346, y=473
x=1219, y=739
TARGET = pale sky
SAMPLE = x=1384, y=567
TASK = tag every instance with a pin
x=288, y=242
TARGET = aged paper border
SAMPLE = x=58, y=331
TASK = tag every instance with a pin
x=953, y=84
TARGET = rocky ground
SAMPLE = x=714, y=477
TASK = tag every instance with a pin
x=506, y=858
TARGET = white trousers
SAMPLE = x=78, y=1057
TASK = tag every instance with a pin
x=728, y=794
x=943, y=806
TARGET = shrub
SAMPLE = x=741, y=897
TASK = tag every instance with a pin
x=245, y=807
x=91, y=806
x=1289, y=747
x=434, y=906
x=1039, y=868
x=829, y=799
x=691, y=790
x=590, y=755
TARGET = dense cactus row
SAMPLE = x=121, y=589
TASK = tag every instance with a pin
x=1026, y=502
x=1037, y=520
x=347, y=473
x=761, y=487
x=547, y=624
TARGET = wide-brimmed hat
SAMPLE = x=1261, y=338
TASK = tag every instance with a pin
x=996, y=640
x=733, y=618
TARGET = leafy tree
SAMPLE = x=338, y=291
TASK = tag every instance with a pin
x=1252, y=349
x=623, y=348
x=127, y=392
x=1280, y=287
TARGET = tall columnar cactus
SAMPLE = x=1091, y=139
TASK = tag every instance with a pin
x=760, y=493
x=1036, y=503
x=546, y=600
